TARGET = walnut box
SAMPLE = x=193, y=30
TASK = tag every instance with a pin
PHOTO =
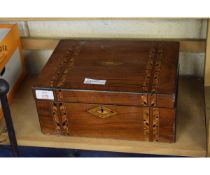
x=119, y=89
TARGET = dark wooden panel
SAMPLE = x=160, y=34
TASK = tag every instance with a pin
x=126, y=124
x=48, y=125
x=167, y=124
x=113, y=98
x=123, y=64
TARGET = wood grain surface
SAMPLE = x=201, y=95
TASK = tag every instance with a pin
x=124, y=64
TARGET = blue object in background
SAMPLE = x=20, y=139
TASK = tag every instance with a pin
x=5, y=151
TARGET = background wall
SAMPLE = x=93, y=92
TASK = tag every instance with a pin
x=190, y=63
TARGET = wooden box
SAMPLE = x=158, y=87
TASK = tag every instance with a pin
x=120, y=89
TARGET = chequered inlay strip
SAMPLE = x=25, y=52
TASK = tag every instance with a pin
x=55, y=115
x=155, y=84
x=151, y=84
x=155, y=125
x=64, y=119
x=145, y=88
x=60, y=67
x=69, y=62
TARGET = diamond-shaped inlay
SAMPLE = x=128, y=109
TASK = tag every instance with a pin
x=102, y=111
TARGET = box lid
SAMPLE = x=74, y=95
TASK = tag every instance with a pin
x=130, y=66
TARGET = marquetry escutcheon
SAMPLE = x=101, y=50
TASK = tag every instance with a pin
x=102, y=112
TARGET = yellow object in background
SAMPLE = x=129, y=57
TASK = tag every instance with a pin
x=12, y=67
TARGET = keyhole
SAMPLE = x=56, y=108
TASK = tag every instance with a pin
x=102, y=110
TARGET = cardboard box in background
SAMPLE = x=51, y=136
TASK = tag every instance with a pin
x=12, y=67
